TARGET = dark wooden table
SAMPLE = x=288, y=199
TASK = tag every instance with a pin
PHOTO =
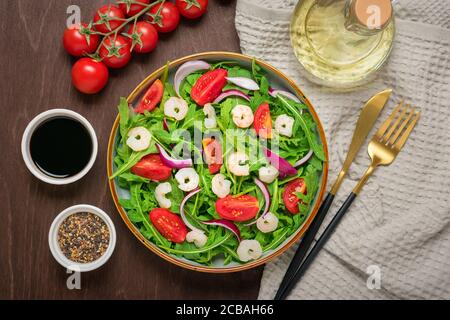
x=35, y=76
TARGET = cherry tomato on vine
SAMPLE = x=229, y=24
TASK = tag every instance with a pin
x=151, y=98
x=113, y=13
x=89, y=76
x=167, y=19
x=263, y=121
x=144, y=37
x=241, y=208
x=79, y=40
x=131, y=9
x=290, y=199
x=209, y=86
x=192, y=9
x=115, y=54
x=169, y=225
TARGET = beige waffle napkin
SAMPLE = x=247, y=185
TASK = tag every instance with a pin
x=401, y=221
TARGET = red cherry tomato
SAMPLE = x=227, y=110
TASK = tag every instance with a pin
x=89, y=76
x=169, y=225
x=213, y=154
x=115, y=54
x=290, y=199
x=240, y=208
x=75, y=40
x=145, y=36
x=263, y=121
x=168, y=18
x=131, y=9
x=192, y=9
x=101, y=15
x=151, y=167
x=209, y=86
x=151, y=98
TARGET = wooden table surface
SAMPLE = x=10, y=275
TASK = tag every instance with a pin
x=35, y=76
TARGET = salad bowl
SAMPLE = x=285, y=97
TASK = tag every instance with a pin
x=277, y=80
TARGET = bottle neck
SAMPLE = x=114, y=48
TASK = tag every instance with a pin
x=367, y=17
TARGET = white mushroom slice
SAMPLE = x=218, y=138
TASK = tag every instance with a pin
x=238, y=164
x=210, y=113
x=267, y=222
x=139, y=138
x=220, y=185
x=268, y=174
x=187, y=179
x=160, y=194
x=249, y=250
x=284, y=124
x=176, y=108
x=242, y=116
x=198, y=237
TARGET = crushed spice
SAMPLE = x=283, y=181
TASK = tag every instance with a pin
x=83, y=237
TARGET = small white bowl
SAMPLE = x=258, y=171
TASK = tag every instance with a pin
x=56, y=250
x=34, y=124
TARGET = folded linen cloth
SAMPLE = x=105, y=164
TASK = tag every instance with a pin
x=400, y=224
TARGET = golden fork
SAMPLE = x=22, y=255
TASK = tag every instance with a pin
x=383, y=149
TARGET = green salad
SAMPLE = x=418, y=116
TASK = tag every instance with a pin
x=218, y=163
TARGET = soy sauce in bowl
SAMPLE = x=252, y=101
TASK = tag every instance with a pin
x=61, y=147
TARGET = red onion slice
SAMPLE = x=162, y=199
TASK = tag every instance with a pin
x=183, y=214
x=165, y=125
x=186, y=69
x=282, y=165
x=266, y=195
x=226, y=224
x=243, y=82
x=287, y=94
x=304, y=159
x=171, y=162
x=230, y=93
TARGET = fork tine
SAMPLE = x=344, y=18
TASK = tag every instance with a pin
x=393, y=128
x=402, y=126
x=401, y=141
x=379, y=134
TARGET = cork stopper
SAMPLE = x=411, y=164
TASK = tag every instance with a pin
x=374, y=14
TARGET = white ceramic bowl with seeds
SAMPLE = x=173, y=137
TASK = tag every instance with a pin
x=56, y=250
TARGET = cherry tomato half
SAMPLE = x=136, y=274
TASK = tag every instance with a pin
x=115, y=54
x=151, y=98
x=151, y=167
x=290, y=199
x=240, y=208
x=145, y=36
x=213, y=154
x=131, y=9
x=169, y=225
x=167, y=19
x=89, y=76
x=263, y=121
x=75, y=40
x=114, y=13
x=209, y=86
x=192, y=9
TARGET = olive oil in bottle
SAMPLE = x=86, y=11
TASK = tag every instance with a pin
x=341, y=43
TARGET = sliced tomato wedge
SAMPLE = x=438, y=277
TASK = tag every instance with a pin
x=263, y=121
x=209, y=86
x=151, y=167
x=290, y=199
x=213, y=154
x=151, y=98
x=169, y=225
x=241, y=208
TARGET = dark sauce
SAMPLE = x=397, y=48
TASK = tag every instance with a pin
x=61, y=147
